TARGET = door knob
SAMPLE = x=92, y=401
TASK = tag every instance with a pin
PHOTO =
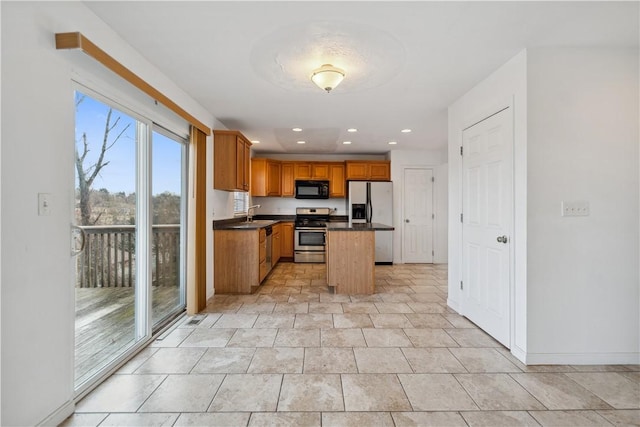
x=502, y=239
x=406, y=220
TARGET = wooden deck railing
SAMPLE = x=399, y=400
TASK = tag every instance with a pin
x=108, y=259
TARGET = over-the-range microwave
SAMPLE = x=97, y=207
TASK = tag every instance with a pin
x=312, y=189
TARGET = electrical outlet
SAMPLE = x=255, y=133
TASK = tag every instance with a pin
x=44, y=204
x=577, y=208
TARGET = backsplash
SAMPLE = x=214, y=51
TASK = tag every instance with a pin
x=288, y=205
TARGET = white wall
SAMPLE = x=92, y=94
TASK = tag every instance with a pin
x=505, y=86
x=583, y=283
x=37, y=156
x=576, y=296
x=429, y=159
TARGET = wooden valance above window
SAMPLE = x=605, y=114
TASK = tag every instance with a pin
x=78, y=41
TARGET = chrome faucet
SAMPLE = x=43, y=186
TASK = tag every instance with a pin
x=249, y=214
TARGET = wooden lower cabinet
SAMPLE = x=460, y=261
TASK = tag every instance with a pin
x=276, y=244
x=351, y=261
x=263, y=253
x=286, y=239
x=237, y=261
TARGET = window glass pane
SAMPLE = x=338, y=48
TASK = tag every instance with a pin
x=240, y=202
x=105, y=211
x=168, y=200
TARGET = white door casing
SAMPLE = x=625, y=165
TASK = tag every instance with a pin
x=418, y=216
x=487, y=223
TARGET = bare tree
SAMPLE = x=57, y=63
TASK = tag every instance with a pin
x=87, y=174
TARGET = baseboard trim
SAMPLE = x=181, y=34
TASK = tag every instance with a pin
x=453, y=304
x=519, y=353
x=59, y=415
x=582, y=358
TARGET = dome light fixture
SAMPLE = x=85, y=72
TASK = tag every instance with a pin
x=327, y=77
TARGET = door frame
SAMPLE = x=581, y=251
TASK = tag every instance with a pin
x=491, y=110
x=433, y=210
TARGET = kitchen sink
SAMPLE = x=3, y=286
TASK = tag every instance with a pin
x=257, y=223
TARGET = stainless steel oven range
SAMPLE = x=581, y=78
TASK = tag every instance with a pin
x=310, y=234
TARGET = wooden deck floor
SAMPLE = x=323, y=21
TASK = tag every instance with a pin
x=105, y=324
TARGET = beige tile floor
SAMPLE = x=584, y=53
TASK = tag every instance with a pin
x=296, y=354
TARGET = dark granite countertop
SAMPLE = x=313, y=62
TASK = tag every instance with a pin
x=243, y=225
x=263, y=220
x=348, y=226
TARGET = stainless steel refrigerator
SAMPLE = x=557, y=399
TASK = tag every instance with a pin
x=373, y=202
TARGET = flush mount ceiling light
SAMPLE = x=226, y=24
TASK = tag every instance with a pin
x=286, y=57
x=327, y=77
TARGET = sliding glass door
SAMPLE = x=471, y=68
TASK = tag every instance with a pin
x=168, y=186
x=128, y=232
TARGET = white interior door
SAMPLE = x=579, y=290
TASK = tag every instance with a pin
x=487, y=223
x=418, y=216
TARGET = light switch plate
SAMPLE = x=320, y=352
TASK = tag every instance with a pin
x=576, y=208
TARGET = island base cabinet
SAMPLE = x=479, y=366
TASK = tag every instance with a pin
x=351, y=262
x=236, y=269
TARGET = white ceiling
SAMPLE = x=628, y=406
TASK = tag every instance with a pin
x=249, y=63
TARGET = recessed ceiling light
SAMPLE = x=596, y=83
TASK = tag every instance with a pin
x=297, y=129
x=255, y=142
x=392, y=142
x=302, y=142
x=405, y=130
x=346, y=142
x=352, y=130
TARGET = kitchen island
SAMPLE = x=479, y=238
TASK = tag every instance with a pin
x=351, y=256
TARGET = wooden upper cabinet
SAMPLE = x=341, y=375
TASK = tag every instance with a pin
x=287, y=179
x=337, y=183
x=231, y=155
x=319, y=171
x=265, y=177
x=301, y=170
x=380, y=171
x=374, y=170
x=357, y=170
